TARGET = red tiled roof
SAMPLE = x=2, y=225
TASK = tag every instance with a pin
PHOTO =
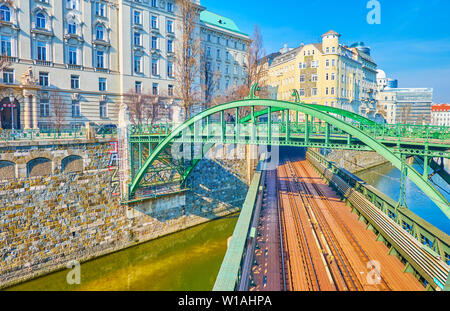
x=443, y=107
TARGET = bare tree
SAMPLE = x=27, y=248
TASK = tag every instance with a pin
x=59, y=110
x=143, y=107
x=209, y=78
x=405, y=114
x=4, y=63
x=256, y=53
x=188, y=51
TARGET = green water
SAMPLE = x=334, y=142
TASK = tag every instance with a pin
x=185, y=261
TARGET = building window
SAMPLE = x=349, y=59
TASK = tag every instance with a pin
x=40, y=21
x=302, y=78
x=41, y=51
x=170, y=26
x=154, y=42
x=314, y=78
x=326, y=91
x=76, y=111
x=137, y=18
x=6, y=45
x=5, y=13
x=72, y=55
x=170, y=90
x=75, y=82
x=332, y=91
x=103, y=109
x=154, y=67
x=169, y=46
x=100, y=8
x=72, y=4
x=170, y=69
x=137, y=64
x=8, y=76
x=154, y=21
x=314, y=91
x=333, y=76
x=72, y=28
x=44, y=108
x=327, y=63
x=137, y=39
x=155, y=89
x=102, y=84
x=43, y=78
x=227, y=55
x=138, y=87
x=99, y=32
x=302, y=92
x=154, y=3
x=170, y=7
x=100, y=57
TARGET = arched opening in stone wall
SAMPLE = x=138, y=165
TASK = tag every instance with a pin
x=7, y=170
x=72, y=164
x=39, y=167
x=10, y=114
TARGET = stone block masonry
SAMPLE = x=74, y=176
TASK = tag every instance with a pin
x=57, y=204
x=355, y=161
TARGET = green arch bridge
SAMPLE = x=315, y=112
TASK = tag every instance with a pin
x=163, y=156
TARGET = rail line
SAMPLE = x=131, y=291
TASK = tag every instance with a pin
x=431, y=265
x=337, y=264
x=311, y=278
x=280, y=227
x=303, y=171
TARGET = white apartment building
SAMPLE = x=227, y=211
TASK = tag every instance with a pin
x=88, y=53
x=403, y=105
x=440, y=115
x=226, y=50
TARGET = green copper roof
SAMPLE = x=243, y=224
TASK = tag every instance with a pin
x=220, y=21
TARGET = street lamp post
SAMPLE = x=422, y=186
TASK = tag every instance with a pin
x=11, y=102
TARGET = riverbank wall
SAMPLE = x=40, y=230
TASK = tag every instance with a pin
x=355, y=161
x=60, y=201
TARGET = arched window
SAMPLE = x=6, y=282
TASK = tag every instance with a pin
x=72, y=28
x=40, y=21
x=100, y=33
x=5, y=13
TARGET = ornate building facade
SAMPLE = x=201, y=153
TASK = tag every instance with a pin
x=327, y=73
x=77, y=58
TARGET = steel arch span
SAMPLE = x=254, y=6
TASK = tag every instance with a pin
x=309, y=111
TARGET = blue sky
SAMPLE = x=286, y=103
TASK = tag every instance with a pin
x=412, y=43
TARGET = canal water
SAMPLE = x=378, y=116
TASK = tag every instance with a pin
x=185, y=261
x=386, y=178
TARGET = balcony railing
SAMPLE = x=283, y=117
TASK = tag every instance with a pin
x=43, y=63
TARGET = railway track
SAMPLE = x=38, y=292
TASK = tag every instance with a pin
x=342, y=273
x=303, y=252
x=431, y=265
x=301, y=170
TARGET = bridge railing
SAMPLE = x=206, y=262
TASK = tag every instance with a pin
x=231, y=271
x=397, y=131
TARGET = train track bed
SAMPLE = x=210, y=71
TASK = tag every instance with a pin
x=326, y=246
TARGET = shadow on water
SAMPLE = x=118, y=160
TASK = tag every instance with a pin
x=185, y=261
x=386, y=178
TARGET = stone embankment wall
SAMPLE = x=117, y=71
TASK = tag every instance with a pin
x=355, y=161
x=59, y=202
